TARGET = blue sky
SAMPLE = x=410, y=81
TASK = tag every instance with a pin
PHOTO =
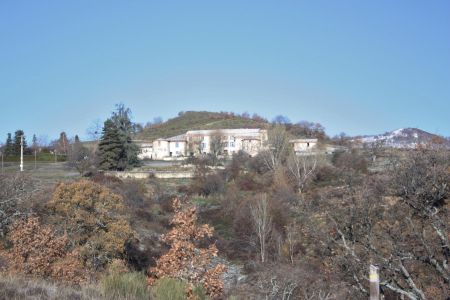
x=361, y=67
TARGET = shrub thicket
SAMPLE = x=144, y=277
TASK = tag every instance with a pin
x=94, y=219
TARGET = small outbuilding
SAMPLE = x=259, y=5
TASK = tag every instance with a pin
x=304, y=145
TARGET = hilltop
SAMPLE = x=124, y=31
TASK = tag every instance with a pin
x=404, y=138
x=196, y=120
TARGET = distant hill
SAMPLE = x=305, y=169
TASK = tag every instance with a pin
x=403, y=138
x=195, y=120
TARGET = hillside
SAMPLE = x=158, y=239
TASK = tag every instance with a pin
x=195, y=120
x=404, y=138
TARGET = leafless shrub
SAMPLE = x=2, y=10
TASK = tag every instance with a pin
x=262, y=224
x=15, y=189
x=302, y=169
x=299, y=281
x=277, y=147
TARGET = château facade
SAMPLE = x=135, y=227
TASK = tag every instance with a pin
x=196, y=142
x=224, y=142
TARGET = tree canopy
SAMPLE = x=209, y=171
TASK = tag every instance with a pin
x=116, y=148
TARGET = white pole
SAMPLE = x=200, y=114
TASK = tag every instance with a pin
x=21, y=153
x=374, y=280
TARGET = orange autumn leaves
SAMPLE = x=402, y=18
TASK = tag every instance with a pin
x=37, y=250
x=88, y=228
x=185, y=260
x=95, y=228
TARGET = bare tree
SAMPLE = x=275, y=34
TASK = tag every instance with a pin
x=94, y=131
x=375, y=149
x=292, y=239
x=302, y=169
x=262, y=223
x=62, y=144
x=277, y=147
x=405, y=234
x=194, y=145
x=80, y=157
x=280, y=119
x=216, y=145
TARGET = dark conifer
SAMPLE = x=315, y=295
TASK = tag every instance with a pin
x=110, y=148
x=16, y=145
x=9, y=147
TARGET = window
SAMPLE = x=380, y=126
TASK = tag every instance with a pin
x=231, y=144
x=176, y=145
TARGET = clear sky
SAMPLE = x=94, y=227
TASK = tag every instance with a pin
x=361, y=67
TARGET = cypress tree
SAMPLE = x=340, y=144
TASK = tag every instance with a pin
x=9, y=146
x=110, y=148
x=16, y=146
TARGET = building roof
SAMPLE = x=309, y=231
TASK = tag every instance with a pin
x=303, y=141
x=177, y=138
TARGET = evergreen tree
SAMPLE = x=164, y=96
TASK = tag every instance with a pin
x=16, y=146
x=110, y=148
x=9, y=146
x=122, y=119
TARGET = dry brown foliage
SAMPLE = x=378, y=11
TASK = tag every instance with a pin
x=186, y=261
x=70, y=268
x=35, y=248
x=94, y=218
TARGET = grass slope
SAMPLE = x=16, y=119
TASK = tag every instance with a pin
x=195, y=120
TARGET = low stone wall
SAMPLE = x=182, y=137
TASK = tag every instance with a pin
x=129, y=174
x=148, y=174
x=173, y=174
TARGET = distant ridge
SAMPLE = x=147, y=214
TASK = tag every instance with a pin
x=404, y=138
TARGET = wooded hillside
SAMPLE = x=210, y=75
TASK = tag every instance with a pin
x=195, y=120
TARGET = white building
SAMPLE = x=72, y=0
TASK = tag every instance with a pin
x=169, y=147
x=304, y=145
x=249, y=140
x=146, y=149
x=221, y=141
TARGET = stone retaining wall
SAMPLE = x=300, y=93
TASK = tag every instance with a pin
x=148, y=174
